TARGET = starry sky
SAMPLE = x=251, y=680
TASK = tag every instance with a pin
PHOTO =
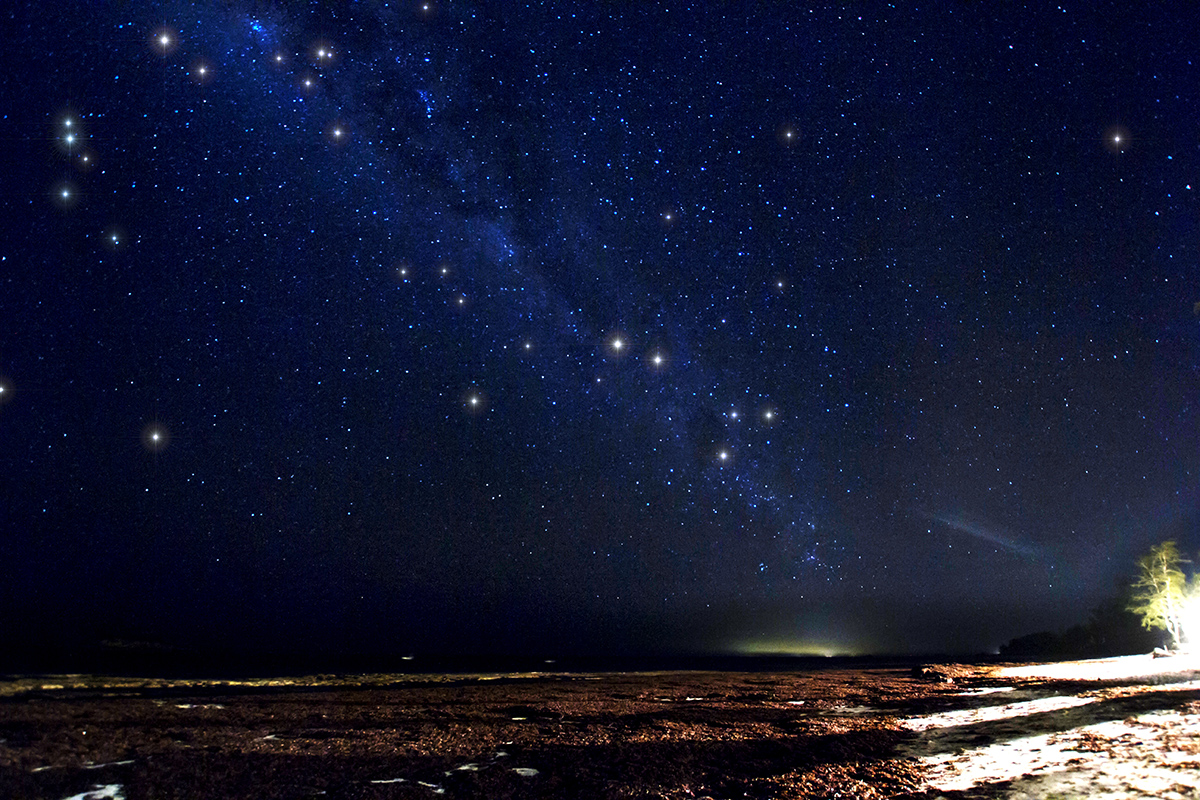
x=406, y=327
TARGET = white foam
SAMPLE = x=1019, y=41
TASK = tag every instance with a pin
x=111, y=791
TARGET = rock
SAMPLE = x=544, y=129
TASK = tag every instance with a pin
x=931, y=674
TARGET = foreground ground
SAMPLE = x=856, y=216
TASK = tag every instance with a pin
x=1107, y=729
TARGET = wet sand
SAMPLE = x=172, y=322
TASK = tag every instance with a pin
x=962, y=732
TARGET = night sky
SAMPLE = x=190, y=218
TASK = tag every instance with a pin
x=403, y=327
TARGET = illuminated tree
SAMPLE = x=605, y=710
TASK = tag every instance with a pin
x=1162, y=596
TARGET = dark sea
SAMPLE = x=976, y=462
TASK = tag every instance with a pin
x=148, y=660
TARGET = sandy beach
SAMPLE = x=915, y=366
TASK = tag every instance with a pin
x=1124, y=728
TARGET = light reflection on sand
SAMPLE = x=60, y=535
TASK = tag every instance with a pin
x=1071, y=745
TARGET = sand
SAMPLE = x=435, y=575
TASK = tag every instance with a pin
x=1090, y=729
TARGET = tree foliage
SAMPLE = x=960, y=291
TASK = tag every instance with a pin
x=1161, y=591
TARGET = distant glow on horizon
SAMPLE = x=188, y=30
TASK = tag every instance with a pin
x=781, y=646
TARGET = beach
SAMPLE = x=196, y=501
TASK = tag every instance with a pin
x=1113, y=728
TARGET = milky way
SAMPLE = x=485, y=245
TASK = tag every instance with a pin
x=486, y=327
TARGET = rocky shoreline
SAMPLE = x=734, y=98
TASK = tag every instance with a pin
x=861, y=733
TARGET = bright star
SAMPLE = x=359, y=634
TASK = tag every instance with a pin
x=323, y=53
x=164, y=41
x=65, y=195
x=1117, y=138
x=475, y=402
x=155, y=437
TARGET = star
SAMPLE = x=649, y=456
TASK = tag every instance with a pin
x=65, y=195
x=70, y=135
x=1117, y=139
x=164, y=41
x=155, y=437
x=338, y=133
x=475, y=402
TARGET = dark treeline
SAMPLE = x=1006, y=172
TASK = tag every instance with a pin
x=1111, y=630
